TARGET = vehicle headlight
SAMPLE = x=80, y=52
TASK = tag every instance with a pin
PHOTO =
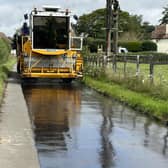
x=74, y=56
x=64, y=56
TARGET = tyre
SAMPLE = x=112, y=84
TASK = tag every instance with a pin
x=67, y=80
x=18, y=67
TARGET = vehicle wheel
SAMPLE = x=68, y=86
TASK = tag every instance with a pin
x=18, y=67
x=68, y=80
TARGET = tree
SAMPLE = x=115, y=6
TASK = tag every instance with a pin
x=164, y=19
x=93, y=23
x=147, y=30
x=130, y=25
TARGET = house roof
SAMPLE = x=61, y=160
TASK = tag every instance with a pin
x=160, y=32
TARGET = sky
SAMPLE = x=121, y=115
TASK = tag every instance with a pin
x=12, y=11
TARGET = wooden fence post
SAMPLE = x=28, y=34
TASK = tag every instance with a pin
x=151, y=69
x=97, y=60
x=125, y=65
x=137, y=66
x=114, y=63
x=88, y=59
x=92, y=62
x=100, y=60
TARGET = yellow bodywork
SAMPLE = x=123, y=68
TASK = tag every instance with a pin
x=43, y=63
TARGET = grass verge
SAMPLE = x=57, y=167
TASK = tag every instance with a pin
x=146, y=104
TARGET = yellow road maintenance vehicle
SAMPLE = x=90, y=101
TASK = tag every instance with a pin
x=48, y=47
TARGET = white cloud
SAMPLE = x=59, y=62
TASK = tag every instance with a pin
x=12, y=11
x=150, y=10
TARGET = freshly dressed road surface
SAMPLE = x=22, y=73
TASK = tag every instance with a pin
x=75, y=127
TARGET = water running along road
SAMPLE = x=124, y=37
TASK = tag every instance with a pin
x=76, y=127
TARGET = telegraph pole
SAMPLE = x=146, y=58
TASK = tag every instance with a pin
x=108, y=26
x=115, y=25
x=112, y=8
x=115, y=14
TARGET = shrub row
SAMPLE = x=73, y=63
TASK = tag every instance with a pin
x=137, y=46
x=6, y=63
x=93, y=43
x=4, y=50
x=134, y=46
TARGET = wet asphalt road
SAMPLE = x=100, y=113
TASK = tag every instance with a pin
x=75, y=127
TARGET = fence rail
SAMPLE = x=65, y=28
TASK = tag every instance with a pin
x=142, y=59
x=151, y=60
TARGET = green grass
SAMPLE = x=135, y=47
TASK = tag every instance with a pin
x=143, y=102
x=141, y=83
x=136, y=90
x=160, y=71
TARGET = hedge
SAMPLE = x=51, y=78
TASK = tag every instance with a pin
x=93, y=43
x=132, y=46
x=4, y=50
x=149, y=46
x=139, y=46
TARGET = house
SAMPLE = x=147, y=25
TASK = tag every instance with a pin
x=160, y=37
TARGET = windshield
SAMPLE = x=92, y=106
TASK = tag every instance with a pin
x=50, y=32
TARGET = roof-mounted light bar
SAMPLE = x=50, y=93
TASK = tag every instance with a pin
x=51, y=8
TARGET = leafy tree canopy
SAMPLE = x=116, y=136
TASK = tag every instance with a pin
x=131, y=26
x=164, y=19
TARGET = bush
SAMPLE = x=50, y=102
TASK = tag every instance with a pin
x=149, y=46
x=93, y=43
x=137, y=46
x=85, y=51
x=132, y=46
x=4, y=51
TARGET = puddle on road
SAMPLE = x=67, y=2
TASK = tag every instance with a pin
x=76, y=127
